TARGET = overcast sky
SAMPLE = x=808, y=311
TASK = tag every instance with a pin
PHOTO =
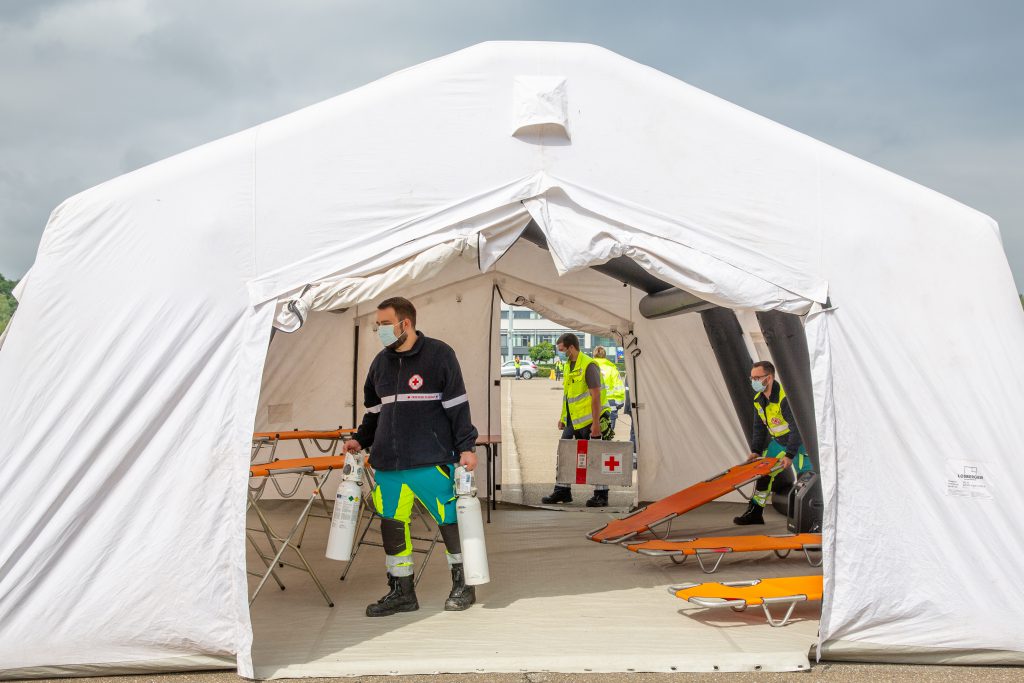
x=90, y=89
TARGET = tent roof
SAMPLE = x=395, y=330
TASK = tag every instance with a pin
x=337, y=183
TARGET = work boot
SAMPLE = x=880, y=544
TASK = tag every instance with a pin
x=462, y=596
x=599, y=499
x=561, y=494
x=401, y=598
x=753, y=515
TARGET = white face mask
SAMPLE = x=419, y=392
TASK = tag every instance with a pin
x=386, y=334
x=757, y=385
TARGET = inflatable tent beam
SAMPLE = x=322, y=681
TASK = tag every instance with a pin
x=726, y=337
x=664, y=300
x=786, y=341
x=669, y=302
x=622, y=268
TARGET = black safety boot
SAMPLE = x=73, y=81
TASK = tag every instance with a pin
x=401, y=598
x=753, y=515
x=599, y=499
x=462, y=596
x=561, y=494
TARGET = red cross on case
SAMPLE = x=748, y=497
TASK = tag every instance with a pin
x=611, y=464
x=581, y=461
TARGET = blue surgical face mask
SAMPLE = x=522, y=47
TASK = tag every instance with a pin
x=386, y=333
x=757, y=385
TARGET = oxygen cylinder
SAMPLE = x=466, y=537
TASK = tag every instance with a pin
x=471, y=529
x=346, y=511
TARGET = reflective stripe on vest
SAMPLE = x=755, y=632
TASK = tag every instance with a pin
x=612, y=382
x=576, y=395
x=771, y=415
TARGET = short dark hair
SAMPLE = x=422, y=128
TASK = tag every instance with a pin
x=569, y=339
x=766, y=366
x=403, y=308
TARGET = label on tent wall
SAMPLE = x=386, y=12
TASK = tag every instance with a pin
x=279, y=413
x=969, y=479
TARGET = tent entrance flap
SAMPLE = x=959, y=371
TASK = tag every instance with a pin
x=579, y=235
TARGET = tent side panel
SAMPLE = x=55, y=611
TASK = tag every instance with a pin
x=688, y=428
x=131, y=381
x=307, y=380
x=308, y=384
x=925, y=374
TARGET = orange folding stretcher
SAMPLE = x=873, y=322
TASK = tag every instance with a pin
x=739, y=595
x=317, y=468
x=331, y=437
x=664, y=510
x=718, y=547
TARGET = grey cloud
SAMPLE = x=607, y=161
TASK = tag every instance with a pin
x=928, y=89
x=27, y=12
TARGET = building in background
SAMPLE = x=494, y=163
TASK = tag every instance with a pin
x=530, y=328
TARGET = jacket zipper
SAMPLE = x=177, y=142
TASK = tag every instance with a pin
x=394, y=413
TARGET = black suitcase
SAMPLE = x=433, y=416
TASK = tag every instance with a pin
x=805, y=505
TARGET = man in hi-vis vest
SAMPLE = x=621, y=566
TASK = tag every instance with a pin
x=614, y=387
x=585, y=412
x=775, y=436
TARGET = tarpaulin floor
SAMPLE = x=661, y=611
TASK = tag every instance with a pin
x=556, y=602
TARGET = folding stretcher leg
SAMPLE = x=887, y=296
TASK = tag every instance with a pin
x=257, y=448
x=326, y=515
x=279, y=543
x=266, y=561
x=792, y=602
x=255, y=493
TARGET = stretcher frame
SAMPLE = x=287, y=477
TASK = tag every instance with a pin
x=371, y=514
x=740, y=605
x=721, y=551
x=278, y=543
x=332, y=437
x=667, y=519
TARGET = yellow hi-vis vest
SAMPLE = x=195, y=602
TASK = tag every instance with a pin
x=577, y=395
x=611, y=382
x=771, y=415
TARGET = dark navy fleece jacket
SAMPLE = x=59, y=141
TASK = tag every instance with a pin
x=417, y=410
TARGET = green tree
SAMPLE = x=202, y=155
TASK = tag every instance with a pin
x=5, y=313
x=543, y=351
x=8, y=303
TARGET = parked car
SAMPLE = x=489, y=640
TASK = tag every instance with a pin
x=527, y=369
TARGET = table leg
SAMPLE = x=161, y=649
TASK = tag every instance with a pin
x=494, y=476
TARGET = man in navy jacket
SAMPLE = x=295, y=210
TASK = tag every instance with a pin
x=417, y=427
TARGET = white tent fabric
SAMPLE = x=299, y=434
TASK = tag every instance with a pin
x=132, y=370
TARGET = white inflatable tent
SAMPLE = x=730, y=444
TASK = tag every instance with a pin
x=132, y=371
